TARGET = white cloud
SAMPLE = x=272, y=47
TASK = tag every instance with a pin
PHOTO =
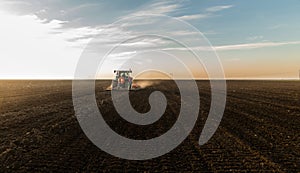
x=14, y=2
x=198, y=48
x=122, y=55
x=235, y=46
x=194, y=16
x=278, y=26
x=78, y=8
x=159, y=7
x=254, y=45
x=218, y=8
x=184, y=33
x=257, y=37
x=31, y=47
x=209, y=12
x=35, y=48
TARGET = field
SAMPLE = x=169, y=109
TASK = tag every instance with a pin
x=259, y=130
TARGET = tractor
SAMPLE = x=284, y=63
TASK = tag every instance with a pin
x=123, y=80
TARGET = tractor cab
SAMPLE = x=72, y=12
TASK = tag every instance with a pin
x=122, y=80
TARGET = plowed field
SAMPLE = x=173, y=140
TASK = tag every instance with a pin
x=259, y=131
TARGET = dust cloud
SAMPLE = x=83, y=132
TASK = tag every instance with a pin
x=145, y=84
x=140, y=84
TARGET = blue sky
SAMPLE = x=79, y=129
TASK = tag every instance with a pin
x=254, y=39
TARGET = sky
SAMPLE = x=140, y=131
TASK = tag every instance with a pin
x=252, y=39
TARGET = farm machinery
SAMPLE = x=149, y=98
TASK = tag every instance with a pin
x=123, y=80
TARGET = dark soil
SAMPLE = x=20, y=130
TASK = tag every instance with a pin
x=259, y=130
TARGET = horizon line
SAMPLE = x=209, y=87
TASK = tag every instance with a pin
x=71, y=79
